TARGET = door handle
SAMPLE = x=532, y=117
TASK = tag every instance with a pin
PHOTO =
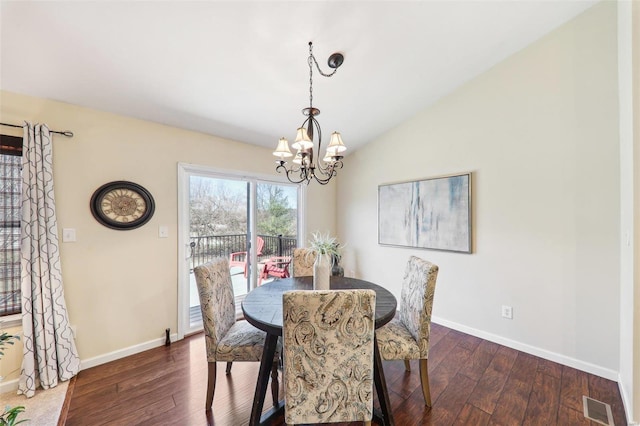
x=190, y=248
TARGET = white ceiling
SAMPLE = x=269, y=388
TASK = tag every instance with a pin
x=239, y=69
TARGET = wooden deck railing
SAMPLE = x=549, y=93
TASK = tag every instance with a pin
x=205, y=248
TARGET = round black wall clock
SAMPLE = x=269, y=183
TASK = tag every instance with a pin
x=122, y=205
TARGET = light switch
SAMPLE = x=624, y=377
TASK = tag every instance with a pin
x=163, y=231
x=68, y=235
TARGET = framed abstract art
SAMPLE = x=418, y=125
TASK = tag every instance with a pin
x=431, y=213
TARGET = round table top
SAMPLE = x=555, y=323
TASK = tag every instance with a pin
x=262, y=307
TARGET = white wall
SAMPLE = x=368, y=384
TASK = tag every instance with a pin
x=628, y=213
x=633, y=398
x=539, y=131
x=121, y=286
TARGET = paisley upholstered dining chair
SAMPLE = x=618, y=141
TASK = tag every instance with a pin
x=225, y=338
x=406, y=337
x=303, y=260
x=328, y=355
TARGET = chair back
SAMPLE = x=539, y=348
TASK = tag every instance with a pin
x=328, y=355
x=259, y=245
x=416, y=297
x=217, y=301
x=302, y=263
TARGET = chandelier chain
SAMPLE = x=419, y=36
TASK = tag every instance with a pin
x=310, y=80
x=312, y=60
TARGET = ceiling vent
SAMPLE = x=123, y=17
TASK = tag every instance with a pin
x=597, y=411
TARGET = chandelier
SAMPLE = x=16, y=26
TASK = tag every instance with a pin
x=305, y=167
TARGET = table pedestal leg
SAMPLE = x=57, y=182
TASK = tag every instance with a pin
x=268, y=353
x=381, y=386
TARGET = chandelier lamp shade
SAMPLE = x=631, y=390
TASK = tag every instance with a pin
x=306, y=164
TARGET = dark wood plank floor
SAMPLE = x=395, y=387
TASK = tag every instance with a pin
x=473, y=382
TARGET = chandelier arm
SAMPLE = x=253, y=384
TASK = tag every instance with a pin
x=307, y=174
x=327, y=170
x=315, y=123
x=304, y=175
x=324, y=170
x=327, y=173
x=289, y=171
x=323, y=181
x=308, y=123
x=332, y=169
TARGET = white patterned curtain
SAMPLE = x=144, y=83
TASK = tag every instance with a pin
x=49, y=348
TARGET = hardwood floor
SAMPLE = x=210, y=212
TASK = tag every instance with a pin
x=473, y=382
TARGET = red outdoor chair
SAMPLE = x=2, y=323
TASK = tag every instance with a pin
x=240, y=258
x=277, y=267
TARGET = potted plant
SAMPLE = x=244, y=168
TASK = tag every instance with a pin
x=326, y=251
x=9, y=416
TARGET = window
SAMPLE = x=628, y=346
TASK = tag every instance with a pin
x=10, y=201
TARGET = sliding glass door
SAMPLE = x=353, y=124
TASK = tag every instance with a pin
x=246, y=219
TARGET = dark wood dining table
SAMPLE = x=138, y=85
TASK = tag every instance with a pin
x=262, y=308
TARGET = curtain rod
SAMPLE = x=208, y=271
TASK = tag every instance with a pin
x=66, y=133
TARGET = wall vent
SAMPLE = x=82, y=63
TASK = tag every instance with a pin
x=597, y=411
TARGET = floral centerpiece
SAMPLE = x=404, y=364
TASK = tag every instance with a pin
x=326, y=250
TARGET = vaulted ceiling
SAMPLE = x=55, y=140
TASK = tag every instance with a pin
x=239, y=69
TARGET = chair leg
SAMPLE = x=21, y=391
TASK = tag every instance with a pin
x=424, y=379
x=274, y=383
x=262, y=276
x=211, y=385
x=407, y=365
x=229, y=364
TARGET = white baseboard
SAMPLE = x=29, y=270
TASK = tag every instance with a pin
x=121, y=353
x=626, y=402
x=10, y=386
x=532, y=350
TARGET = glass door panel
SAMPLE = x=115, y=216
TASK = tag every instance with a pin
x=218, y=227
x=277, y=225
x=252, y=222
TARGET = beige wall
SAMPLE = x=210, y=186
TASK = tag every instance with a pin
x=12, y=359
x=121, y=286
x=539, y=132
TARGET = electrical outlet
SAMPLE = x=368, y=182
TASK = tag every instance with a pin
x=507, y=312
